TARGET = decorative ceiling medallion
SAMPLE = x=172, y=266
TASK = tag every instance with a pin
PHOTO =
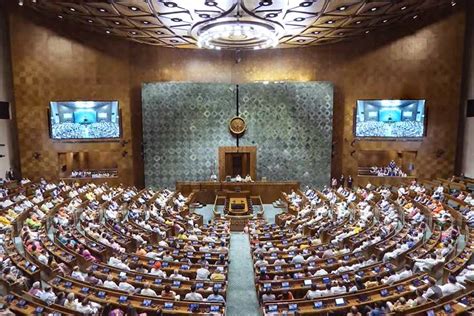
x=237, y=126
x=238, y=24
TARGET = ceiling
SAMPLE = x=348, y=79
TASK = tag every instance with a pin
x=170, y=23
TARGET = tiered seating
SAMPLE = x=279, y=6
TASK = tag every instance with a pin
x=87, y=240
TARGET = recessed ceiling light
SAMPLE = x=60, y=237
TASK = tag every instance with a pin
x=340, y=33
x=204, y=16
x=367, y=32
x=108, y=32
x=146, y=22
x=90, y=21
x=384, y=21
x=374, y=9
x=306, y=4
x=134, y=8
x=60, y=16
x=102, y=10
x=159, y=32
x=330, y=22
x=316, y=32
x=342, y=8
x=299, y=19
x=358, y=22
x=403, y=8
x=170, y=4
x=266, y=3
x=210, y=3
x=176, y=20
x=133, y=33
x=72, y=9
x=174, y=41
x=453, y=3
x=272, y=15
x=301, y=41
x=117, y=22
x=415, y=16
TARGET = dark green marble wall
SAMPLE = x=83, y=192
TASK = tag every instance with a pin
x=185, y=123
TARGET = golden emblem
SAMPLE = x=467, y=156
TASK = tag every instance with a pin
x=237, y=125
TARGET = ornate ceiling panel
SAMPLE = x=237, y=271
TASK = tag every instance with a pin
x=178, y=23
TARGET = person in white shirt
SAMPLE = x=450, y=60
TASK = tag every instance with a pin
x=77, y=274
x=313, y=293
x=147, y=291
x=338, y=288
x=48, y=296
x=193, y=295
x=203, y=273
x=298, y=259
x=425, y=265
x=451, y=287
x=466, y=274
x=125, y=286
x=405, y=274
x=176, y=276
x=110, y=284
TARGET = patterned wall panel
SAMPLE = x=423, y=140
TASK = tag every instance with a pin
x=291, y=125
x=183, y=126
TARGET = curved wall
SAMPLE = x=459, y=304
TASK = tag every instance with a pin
x=421, y=60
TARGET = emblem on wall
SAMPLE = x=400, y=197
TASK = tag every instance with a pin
x=237, y=126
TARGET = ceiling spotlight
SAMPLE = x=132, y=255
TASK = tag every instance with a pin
x=453, y=3
x=20, y=2
x=374, y=9
x=210, y=3
x=174, y=41
x=298, y=19
x=340, y=33
x=342, y=8
x=266, y=3
x=159, y=32
x=90, y=21
x=301, y=41
x=108, y=32
x=170, y=4
x=117, y=22
x=316, y=32
x=358, y=22
x=133, y=33
x=272, y=15
x=72, y=9
x=134, y=8
x=330, y=22
x=60, y=16
x=367, y=32
x=385, y=21
x=204, y=16
x=306, y=4
x=176, y=20
x=415, y=16
x=102, y=10
x=403, y=8
x=145, y=22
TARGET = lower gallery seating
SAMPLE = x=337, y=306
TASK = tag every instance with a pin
x=102, y=250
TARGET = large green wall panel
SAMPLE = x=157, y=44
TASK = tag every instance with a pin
x=183, y=126
x=291, y=125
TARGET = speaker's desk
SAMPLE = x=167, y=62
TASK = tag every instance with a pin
x=206, y=191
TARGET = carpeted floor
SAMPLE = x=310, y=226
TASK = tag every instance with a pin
x=241, y=295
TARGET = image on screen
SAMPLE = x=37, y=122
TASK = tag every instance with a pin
x=84, y=120
x=390, y=118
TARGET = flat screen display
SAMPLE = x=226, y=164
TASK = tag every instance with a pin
x=390, y=118
x=84, y=120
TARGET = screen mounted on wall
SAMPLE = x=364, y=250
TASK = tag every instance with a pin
x=84, y=120
x=390, y=119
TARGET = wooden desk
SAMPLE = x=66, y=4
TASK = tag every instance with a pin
x=206, y=191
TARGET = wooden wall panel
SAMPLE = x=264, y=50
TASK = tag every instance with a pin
x=421, y=60
x=50, y=65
